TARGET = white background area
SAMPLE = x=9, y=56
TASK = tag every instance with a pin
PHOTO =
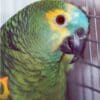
x=9, y=7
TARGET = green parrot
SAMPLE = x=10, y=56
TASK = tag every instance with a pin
x=38, y=46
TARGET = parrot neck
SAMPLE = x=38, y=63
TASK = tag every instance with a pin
x=33, y=76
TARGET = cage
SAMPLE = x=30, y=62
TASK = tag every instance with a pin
x=84, y=79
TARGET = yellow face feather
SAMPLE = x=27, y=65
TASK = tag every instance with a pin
x=62, y=31
x=51, y=15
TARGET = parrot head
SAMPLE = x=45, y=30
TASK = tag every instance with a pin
x=62, y=29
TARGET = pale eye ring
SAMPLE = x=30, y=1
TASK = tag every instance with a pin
x=61, y=20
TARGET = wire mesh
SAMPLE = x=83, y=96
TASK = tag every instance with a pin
x=84, y=79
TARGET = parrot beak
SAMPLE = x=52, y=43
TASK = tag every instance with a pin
x=75, y=44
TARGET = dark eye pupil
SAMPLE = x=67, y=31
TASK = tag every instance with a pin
x=60, y=19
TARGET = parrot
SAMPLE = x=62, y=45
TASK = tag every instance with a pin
x=38, y=46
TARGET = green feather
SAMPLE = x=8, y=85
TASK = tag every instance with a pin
x=54, y=0
x=34, y=71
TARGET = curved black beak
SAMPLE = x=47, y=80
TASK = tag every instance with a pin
x=75, y=44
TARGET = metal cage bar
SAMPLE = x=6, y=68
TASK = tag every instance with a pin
x=89, y=90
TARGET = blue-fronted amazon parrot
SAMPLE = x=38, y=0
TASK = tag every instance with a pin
x=38, y=46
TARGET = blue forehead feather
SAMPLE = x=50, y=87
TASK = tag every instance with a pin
x=78, y=19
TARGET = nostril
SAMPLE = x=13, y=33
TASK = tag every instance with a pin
x=80, y=32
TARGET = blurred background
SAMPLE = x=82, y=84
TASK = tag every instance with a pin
x=84, y=79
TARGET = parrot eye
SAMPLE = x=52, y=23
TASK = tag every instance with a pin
x=61, y=20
